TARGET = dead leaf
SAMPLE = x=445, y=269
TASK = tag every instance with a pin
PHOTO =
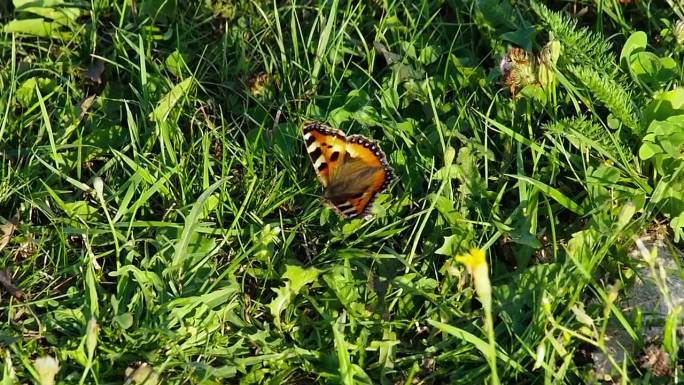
x=26, y=248
x=390, y=57
x=86, y=104
x=141, y=373
x=657, y=360
x=257, y=83
x=94, y=72
x=6, y=282
x=7, y=230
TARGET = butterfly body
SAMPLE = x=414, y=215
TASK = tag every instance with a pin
x=352, y=169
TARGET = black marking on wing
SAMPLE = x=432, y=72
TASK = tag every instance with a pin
x=315, y=154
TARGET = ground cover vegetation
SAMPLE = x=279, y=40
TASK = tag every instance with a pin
x=162, y=222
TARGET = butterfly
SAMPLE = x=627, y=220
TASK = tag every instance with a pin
x=352, y=169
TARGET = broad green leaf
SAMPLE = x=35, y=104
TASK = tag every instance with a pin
x=226, y=371
x=499, y=14
x=601, y=182
x=175, y=63
x=533, y=92
x=83, y=211
x=665, y=105
x=625, y=216
x=453, y=245
x=451, y=172
x=114, y=136
x=65, y=16
x=210, y=206
x=677, y=225
x=299, y=276
x=38, y=27
x=649, y=149
x=668, y=69
x=428, y=55
x=124, y=320
x=171, y=99
x=20, y=5
x=636, y=42
x=386, y=349
x=296, y=277
x=645, y=66
x=664, y=144
x=341, y=281
x=523, y=36
x=521, y=233
x=26, y=93
x=343, y=360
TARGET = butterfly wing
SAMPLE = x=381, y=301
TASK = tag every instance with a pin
x=355, y=183
x=326, y=147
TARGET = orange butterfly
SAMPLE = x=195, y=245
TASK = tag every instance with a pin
x=352, y=169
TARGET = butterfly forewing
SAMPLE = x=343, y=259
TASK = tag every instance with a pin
x=326, y=147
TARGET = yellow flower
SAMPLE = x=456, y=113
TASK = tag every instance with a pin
x=472, y=259
x=476, y=263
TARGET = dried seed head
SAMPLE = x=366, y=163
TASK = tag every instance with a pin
x=678, y=32
x=518, y=69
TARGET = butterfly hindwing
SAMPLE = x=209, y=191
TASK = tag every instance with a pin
x=367, y=151
x=353, y=169
x=326, y=147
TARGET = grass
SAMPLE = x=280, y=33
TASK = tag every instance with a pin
x=163, y=224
